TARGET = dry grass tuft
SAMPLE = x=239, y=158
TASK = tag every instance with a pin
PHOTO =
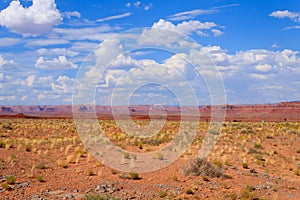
x=201, y=167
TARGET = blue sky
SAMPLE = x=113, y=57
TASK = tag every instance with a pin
x=253, y=44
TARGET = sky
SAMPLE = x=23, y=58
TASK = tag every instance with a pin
x=55, y=52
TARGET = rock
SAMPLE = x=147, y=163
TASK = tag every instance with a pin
x=21, y=185
x=67, y=196
x=63, y=188
x=36, y=197
x=75, y=191
x=101, y=188
x=233, y=167
x=265, y=175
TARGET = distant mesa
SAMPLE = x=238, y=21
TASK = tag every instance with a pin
x=7, y=109
x=277, y=112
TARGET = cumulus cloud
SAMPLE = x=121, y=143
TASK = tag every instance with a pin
x=216, y=32
x=263, y=68
x=34, y=20
x=63, y=84
x=186, y=27
x=295, y=16
x=6, y=63
x=60, y=63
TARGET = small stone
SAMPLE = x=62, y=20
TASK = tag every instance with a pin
x=234, y=167
x=75, y=191
x=21, y=185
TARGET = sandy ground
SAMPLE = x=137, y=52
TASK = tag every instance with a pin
x=45, y=159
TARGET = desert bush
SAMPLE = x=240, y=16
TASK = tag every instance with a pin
x=162, y=194
x=40, y=179
x=41, y=165
x=175, y=178
x=158, y=156
x=189, y=191
x=218, y=163
x=201, y=167
x=93, y=196
x=7, y=126
x=2, y=144
x=28, y=147
x=134, y=175
x=257, y=145
x=245, y=165
x=214, y=132
x=11, y=179
x=6, y=186
x=62, y=163
x=233, y=196
x=90, y=172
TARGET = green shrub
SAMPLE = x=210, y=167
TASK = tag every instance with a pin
x=7, y=126
x=6, y=186
x=245, y=165
x=258, y=145
x=40, y=179
x=93, y=196
x=162, y=194
x=11, y=179
x=134, y=175
x=189, y=191
x=90, y=172
x=41, y=165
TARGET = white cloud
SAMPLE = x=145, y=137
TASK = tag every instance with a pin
x=30, y=80
x=114, y=17
x=46, y=42
x=292, y=27
x=167, y=34
x=63, y=84
x=83, y=46
x=295, y=16
x=60, y=63
x=148, y=7
x=34, y=20
x=6, y=63
x=263, y=68
x=56, y=52
x=217, y=32
x=69, y=15
x=137, y=4
x=186, y=27
x=99, y=33
x=189, y=14
x=7, y=42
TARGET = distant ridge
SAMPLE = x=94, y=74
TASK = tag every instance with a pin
x=283, y=111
